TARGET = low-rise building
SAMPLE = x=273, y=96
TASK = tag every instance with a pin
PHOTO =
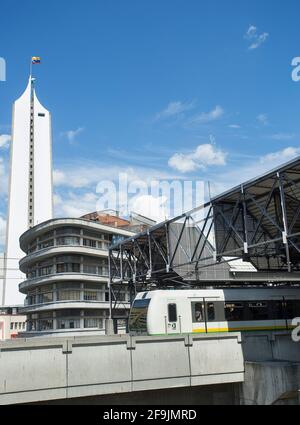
x=66, y=267
x=12, y=322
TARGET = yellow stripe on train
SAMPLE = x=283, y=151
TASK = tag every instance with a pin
x=240, y=329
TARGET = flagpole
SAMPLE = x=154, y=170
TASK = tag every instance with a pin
x=30, y=67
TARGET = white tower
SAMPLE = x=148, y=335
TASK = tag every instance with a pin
x=30, y=186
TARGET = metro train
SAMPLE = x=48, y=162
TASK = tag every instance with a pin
x=171, y=312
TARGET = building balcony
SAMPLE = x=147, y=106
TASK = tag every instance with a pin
x=62, y=305
x=29, y=284
x=60, y=250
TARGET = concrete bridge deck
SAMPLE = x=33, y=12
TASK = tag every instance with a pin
x=249, y=368
x=43, y=369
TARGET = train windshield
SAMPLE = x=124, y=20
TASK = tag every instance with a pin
x=138, y=316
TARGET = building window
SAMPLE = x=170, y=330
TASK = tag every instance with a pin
x=93, y=323
x=44, y=271
x=68, y=240
x=91, y=295
x=46, y=244
x=46, y=324
x=90, y=242
x=68, y=295
x=104, y=271
x=103, y=245
x=68, y=323
x=68, y=231
x=90, y=269
x=91, y=234
x=68, y=268
x=47, y=298
x=11, y=326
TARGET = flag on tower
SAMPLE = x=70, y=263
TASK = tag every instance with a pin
x=36, y=60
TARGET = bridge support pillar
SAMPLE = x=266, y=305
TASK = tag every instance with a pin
x=109, y=327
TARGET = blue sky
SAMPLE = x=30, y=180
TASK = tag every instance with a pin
x=160, y=89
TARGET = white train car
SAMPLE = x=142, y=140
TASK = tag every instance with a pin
x=169, y=312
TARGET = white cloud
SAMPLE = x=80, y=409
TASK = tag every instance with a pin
x=83, y=175
x=174, y=109
x=151, y=207
x=282, y=136
x=73, y=204
x=76, y=185
x=255, y=38
x=73, y=201
x=245, y=171
x=263, y=119
x=72, y=178
x=234, y=126
x=182, y=163
x=204, y=156
x=276, y=158
x=259, y=41
x=206, y=117
x=5, y=140
x=72, y=134
x=251, y=33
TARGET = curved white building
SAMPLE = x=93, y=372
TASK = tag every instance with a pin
x=30, y=187
x=66, y=267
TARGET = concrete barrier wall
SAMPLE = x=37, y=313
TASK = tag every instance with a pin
x=269, y=346
x=269, y=383
x=60, y=368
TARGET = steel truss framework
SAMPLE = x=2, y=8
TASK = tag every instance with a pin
x=258, y=221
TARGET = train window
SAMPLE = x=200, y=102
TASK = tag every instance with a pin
x=172, y=313
x=234, y=311
x=277, y=310
x=210, y=308
x=138, y=316
x=258, y=310
x=297, y=308
x=197, y=312
x=292, y=309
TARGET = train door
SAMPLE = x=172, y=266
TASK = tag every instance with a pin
x=172, y=320
x=198, y=316
x=291, y=310
x=278, y=313
x=214, y=314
